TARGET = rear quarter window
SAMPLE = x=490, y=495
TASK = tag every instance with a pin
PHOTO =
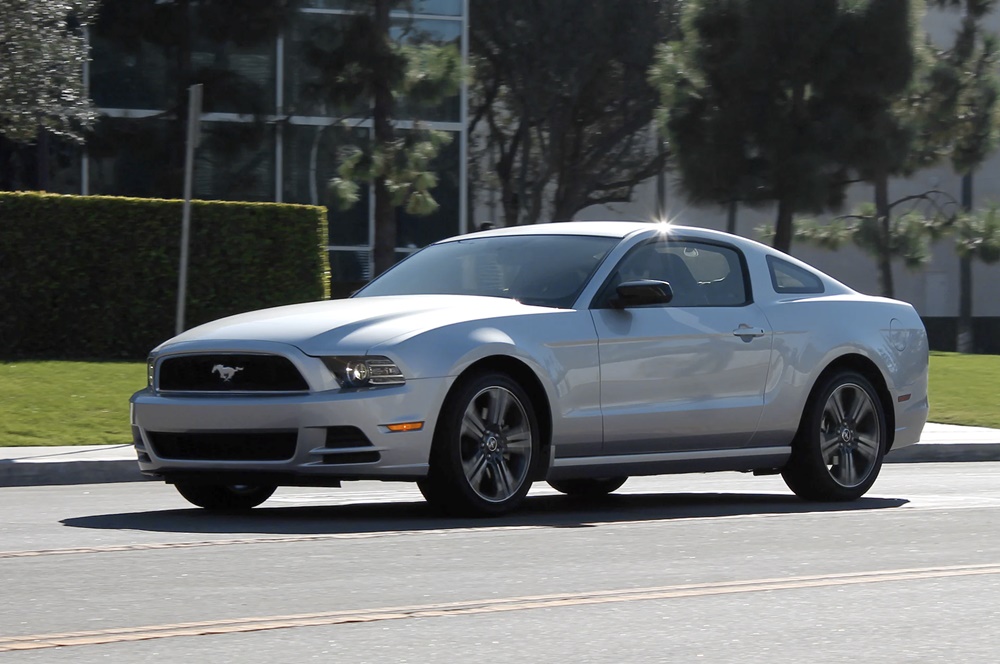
x=788, y=278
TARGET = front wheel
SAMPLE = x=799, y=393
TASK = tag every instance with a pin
x=485, y=448
x=225, y=497
x=841, y=443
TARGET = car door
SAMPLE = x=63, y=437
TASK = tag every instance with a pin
x=688, y=375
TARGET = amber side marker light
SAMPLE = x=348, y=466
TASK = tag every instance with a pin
x=405, y=426
x=904, y=397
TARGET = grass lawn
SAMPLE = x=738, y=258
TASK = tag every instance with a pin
x=86, y=403
x=965, y=389
x=67, y=403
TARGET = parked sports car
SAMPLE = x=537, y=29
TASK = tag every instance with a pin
x=576, y=353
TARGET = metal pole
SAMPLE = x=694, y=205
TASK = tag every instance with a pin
x=194, y=116
x=463, y=135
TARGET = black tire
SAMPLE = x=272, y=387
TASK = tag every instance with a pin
x=591, y=487
x=485, y=448
x=841, y=442
x=225, y=497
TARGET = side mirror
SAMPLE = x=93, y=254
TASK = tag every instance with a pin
x=642, y=292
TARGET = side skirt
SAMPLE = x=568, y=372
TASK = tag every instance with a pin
x=702, y=461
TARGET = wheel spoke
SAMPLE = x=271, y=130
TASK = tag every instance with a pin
x=519, y=440
x=836, y=407
x=473, y=425
x=505, y=479
x=862, y=407
x=829, y=444
x=867, y=446
x=499, y=401
x=848, y=471
x=474, y=469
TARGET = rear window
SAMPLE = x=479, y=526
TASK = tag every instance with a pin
x=789, y=278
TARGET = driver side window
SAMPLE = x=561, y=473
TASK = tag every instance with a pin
x=700, y=274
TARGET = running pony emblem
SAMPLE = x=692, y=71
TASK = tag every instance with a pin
x=226, y=373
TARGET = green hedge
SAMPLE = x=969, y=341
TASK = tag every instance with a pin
x=95, y=277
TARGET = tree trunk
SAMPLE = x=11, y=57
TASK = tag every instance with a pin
x=385, y=213
x=883, y=220
x=42, y=150
x=965, y=341
x=505, y=173
x=783, y=227
x=661, y=195
x=731, y=217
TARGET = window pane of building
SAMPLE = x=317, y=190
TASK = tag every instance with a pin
x=437, y=33
x=309, y=41
x=137, y=76
x=414, y=231
x=349, y=271
x=135, y=157
x=235, y=161
x=441, y=7
x=237, y=78
x=312, y=155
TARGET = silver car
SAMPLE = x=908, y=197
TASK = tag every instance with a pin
x=577, y=353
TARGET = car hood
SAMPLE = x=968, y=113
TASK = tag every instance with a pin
x=353, y=325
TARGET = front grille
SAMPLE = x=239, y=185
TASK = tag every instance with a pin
x=229, y=372
x=244, y=446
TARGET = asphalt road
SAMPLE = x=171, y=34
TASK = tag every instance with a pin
x=709, y=568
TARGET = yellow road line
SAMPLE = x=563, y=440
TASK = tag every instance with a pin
x=494, y=605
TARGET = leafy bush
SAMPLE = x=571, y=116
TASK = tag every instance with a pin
x=95, y=277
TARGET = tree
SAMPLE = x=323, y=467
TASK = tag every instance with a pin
x=882, y=118
x=947, y=111
x=562, y=93
x=42, y=51
x=367, y=63
x=883, y=235
x=763, y=100
x=966, y=76
x=978, y=235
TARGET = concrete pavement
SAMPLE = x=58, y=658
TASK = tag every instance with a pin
x=94, y=464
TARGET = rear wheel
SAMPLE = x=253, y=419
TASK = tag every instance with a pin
x=839, y=449
x=225, y=497
x=484, y=449
x=591, y=487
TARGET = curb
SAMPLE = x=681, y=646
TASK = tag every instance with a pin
x=945, y=453
x=50, y=473
x=119, y=464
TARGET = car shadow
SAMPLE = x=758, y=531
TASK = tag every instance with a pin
x=537, y=511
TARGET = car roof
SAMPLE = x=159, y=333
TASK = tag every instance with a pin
x=618, y=229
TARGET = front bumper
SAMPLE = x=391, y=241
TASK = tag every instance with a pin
x=311, y=420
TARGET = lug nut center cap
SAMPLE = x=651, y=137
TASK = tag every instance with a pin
x=846, y=434
x=492, y=443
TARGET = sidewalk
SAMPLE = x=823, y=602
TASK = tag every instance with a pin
x=94, y=464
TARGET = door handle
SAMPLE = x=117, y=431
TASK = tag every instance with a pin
x=747, y=332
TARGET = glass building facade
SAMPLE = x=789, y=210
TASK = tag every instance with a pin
x=263, y=138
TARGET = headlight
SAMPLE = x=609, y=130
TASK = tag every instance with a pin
x=371, y=371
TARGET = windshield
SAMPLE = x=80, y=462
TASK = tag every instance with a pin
x=546, y=270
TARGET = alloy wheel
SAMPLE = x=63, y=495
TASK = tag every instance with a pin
x=495, y=444
x=850, y=435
